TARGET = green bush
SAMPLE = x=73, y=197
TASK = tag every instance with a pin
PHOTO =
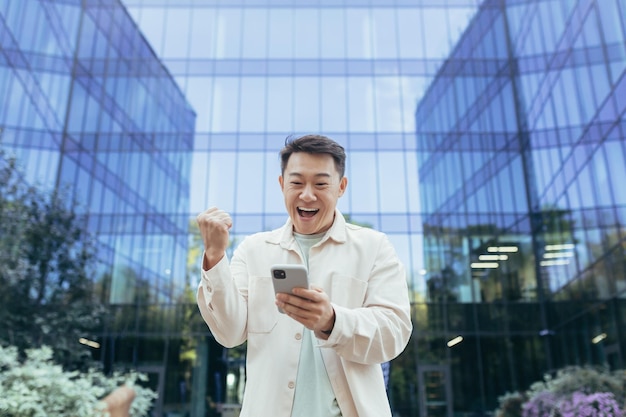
x=48, y=289
x=511, y=405
x=38, y=387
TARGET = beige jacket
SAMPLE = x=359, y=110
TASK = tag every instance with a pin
x=359, y=270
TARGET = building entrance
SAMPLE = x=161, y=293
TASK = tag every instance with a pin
x=435, y=391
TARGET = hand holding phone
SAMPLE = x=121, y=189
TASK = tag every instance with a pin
x=288, y=277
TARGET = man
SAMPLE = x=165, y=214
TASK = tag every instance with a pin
x=322, y=356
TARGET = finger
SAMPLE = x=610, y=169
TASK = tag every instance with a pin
x=213, y=216
x=223, y=220
x=315, y=294
x=210, y=210
x=289, y=309
x=299, y=314
x=295, y=299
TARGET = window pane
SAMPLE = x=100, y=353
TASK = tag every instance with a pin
x=358, y=33
x=616, y=164
x=306, y=34
x=253, y=104
x=229, y=33
x=307, y=104
x=360, y=105
x=384, y=34
x=199, y=93
x=280, y=104
x=388, y=105
x=334, y=104
x=363, y=182
x=273, y=197
x=250, y=195
x=333, y=33
x=203, y=25
x=225, y=104
x=177, y=27
x=280, y=40
x=255, y=33
x=392, y=180
x=221, y=192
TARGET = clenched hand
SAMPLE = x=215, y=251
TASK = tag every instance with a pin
x=214, y=225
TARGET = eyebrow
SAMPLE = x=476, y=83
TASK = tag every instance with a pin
x=321, y=174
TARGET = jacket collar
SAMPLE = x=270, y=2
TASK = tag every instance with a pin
x=283, y=236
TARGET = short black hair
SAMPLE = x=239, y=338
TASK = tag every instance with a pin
x=314, y=144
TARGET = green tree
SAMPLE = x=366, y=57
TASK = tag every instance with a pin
x=46, y=294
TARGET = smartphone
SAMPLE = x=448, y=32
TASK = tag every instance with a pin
x=288, y=277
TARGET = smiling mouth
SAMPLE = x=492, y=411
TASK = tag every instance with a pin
x=306, y=212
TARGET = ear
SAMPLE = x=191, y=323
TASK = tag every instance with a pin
x=342, y=186
x=281, y=182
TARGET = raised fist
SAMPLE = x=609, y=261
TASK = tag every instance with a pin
x=214, y=225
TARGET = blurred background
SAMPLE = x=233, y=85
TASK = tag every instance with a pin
x=486, y=138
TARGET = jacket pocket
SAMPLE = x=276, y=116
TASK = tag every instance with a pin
x=347, y=291
x=262, y=310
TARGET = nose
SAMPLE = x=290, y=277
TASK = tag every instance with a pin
x=307, y=194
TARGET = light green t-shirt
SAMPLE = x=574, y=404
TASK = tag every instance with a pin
x=314, y=396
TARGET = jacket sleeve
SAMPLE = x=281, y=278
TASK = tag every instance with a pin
x=223, y=302
x=379, y=330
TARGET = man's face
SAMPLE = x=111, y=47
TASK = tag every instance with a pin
x=311, y=186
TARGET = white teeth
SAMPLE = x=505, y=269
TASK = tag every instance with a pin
x=306, y=209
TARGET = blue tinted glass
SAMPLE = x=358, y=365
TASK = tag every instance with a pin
x=203, y=33
x=254, y=33
x=392, y=177
x=307, y=104
x=332, y=33
x=363, y=185
x=226, y=96
x=281, y=29
x=611, y=22
x=601, y=86
x=616, y=165
x=177, y=25
x=280, y=104
x=333, y=99
x=228, y=42
x=384, y=33
x=221, y=193
x=358, y=34
x=249, y=198
x=360, y=104
x=252, y=105
x=306, y=35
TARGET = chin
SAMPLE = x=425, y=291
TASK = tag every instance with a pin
x=306, y=229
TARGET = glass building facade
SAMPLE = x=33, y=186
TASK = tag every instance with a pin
x=86, y=104
x=486, y=138
x=521, y=144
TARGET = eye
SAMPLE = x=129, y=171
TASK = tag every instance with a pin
x=321, y=184
x=295, y=183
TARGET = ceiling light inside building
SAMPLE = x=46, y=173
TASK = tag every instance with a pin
x=455, y=341
x=553, y=262
x=89, y=343
x=502, y=249
x=552, y=255
x=564, y=246
x=480, y=265
x=493, y=257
